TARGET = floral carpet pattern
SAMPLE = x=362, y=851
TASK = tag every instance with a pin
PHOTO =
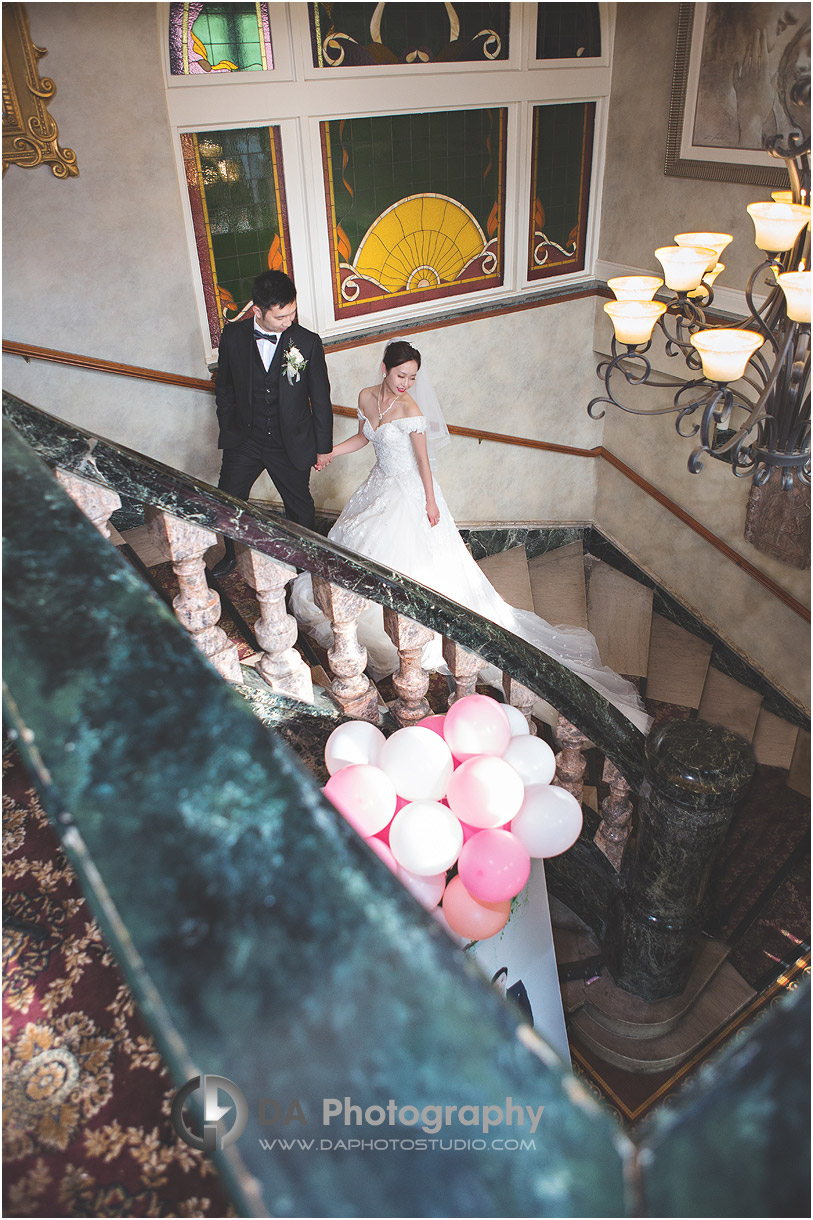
x=76, y=1056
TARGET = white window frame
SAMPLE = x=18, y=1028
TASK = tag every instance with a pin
x=296, y=97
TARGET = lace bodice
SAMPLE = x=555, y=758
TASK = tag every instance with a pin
x=393, y=448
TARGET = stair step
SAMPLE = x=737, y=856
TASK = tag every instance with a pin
x=725, y=996
x=620, y=615
x=799, y=774
x=558, y=586
x=728, y=703
x=678, y=664
x=141, y=540
x=774, y=740
x=508, y=573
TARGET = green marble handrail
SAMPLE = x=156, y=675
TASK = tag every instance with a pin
x=264, y=942
x=146, y=481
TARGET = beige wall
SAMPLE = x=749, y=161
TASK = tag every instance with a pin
x=642, y=207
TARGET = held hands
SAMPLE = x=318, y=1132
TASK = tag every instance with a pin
x=322, y=460
x=432, y=512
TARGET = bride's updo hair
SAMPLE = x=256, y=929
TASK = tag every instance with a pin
x=400, y=352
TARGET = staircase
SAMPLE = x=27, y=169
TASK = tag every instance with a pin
x=674, y=670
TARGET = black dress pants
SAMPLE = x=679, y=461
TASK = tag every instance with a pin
x=244, y=464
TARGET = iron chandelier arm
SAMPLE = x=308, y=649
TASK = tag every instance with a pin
x=625, y=362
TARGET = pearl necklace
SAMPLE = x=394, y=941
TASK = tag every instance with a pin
x=381, y=413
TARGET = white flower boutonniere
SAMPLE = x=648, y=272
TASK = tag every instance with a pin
x=294, y=364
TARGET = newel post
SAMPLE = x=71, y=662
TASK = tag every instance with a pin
x=696, y=774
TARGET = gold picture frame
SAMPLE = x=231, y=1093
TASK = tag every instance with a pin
x=29, y=133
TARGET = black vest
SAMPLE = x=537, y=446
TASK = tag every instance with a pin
x=265, y=429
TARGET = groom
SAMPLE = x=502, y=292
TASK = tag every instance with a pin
x=273, y=403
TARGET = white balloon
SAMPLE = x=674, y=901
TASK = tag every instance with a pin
x=428, y=890
x=549, y=821
x=355, y=741
x=532, y=759
x=519, y=725
x=425, y=837
x=418, y=762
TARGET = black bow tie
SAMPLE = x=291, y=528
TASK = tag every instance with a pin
x=260, y=334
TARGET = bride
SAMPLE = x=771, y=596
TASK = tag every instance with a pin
x=399, y=517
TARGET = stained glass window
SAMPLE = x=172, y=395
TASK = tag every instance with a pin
x=416, y=206
x=568, y=31
x=562, y=154
x=237, y=194
x=349, y=35
x=227, y=37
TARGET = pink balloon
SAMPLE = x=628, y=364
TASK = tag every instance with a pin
x=476, y=724
x=364, y=795
x=549, y=821
x=428, y=890
x=384, y=853
x=435, y=723
x=468, y=831
x=494, y=866
x=470, y=918
x=485, y=791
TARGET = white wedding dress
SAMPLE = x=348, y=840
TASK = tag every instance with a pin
x=385, y=520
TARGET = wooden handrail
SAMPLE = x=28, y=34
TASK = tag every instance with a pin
x=28, y=352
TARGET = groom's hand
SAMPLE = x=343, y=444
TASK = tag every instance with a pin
x=322, y=460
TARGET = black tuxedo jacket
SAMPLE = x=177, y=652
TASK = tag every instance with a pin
x=305, y=413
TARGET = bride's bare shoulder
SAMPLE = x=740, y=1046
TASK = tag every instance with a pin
x=367, y=401
x=410, y=406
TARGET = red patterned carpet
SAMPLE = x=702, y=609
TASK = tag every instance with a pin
x=85, y=1099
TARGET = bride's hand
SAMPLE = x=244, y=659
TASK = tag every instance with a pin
x=432, y=512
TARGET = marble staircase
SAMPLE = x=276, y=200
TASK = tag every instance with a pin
x=673, y=668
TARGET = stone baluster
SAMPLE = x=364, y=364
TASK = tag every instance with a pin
x=196, y=606
x=696, y=774
x=96, y=502
x=616, y=814
x=411, y=681
x=280, y=665
x=351, y=688
x=520, y=697
x=464, y=667
x=570, y=761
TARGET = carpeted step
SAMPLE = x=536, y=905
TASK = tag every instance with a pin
x=620, y=616
x=774, y=740
x=728, y=703
x=799, y=773
x=677, y=665
x=508, y=573
x=558, y=585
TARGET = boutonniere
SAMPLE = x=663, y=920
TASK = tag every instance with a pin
x=294, y=363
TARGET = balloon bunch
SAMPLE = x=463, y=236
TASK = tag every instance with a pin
x=470, y=787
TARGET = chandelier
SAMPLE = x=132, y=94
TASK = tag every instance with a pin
x=751, y=406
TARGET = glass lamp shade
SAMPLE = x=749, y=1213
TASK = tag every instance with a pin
x=777, y=225
x=725, y=353
x=715, y=241
x=634, y=321
x=683, y=266
x=796, y=286
x=708, y=278
x=634, y=287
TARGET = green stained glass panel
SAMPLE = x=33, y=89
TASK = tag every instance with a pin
x=568, y=31
x=352, y=35
x=226, y=37
x=237, y=194
x=562, y=153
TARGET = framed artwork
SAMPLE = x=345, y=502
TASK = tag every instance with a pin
x=741, y=79
x=30, y=134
